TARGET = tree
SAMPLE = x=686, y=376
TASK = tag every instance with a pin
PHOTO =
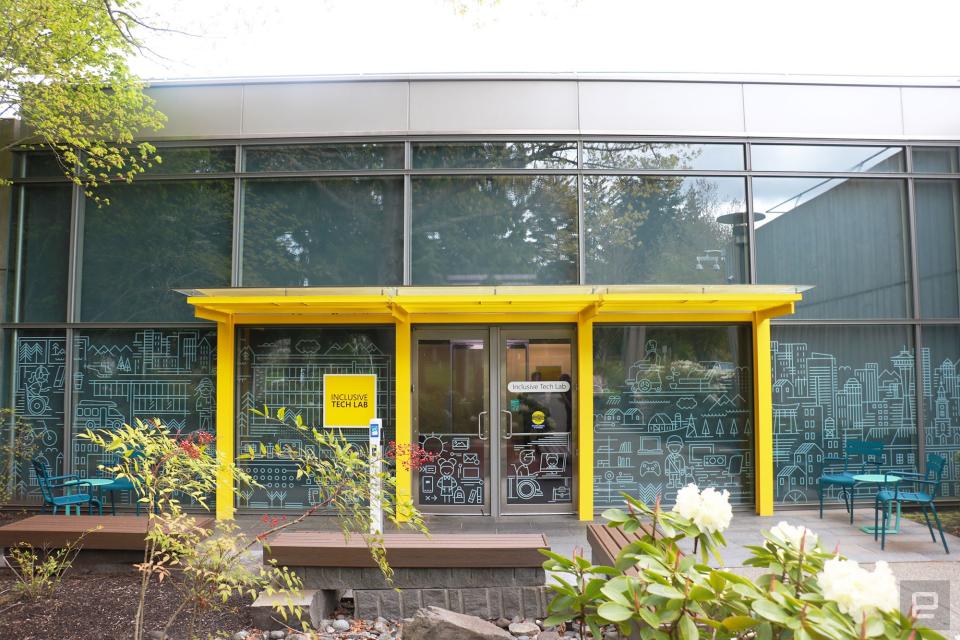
x=64, y=72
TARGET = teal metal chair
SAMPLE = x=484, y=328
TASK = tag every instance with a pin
x=926, y=486
x=870, y=454
x=61, y=491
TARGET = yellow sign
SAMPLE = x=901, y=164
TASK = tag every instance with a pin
x=349, y=400
x=538, y=417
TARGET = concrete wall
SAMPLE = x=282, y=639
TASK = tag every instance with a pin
x=554, y=105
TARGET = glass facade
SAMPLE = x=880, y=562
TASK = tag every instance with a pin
x=284, y=367
x=672, y=405
x=494, y=230
x=872, y=227
x=832, y=384
x=153, y=238
x=814, y=231
x=322, y=232
x=665, y=230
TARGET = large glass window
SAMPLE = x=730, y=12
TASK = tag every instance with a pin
x=495, y=155
x=939, y=358
x=832, y=384
x=39, y=164
x=39, y=373
x=284, y=367
x=44, y=250
x=672, y=405
x=153, y=238
x=665, y=230
x=187, y=160
x=938, y=261
x=495, y=230
x=845, y=237
x=319, y=232
x=832, y=158
x=123, y=374
x=358, y=156
x=662, y=155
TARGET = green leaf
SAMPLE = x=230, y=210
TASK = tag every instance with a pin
x=665, y=591
x=770, y=611
x=688, y=628
x=614, y=612
x=738, y=623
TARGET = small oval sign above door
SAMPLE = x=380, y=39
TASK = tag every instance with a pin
x=538, y=386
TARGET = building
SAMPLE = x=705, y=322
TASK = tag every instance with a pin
x=732, y=277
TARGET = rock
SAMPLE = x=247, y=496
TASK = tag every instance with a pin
x=611, y=635
x=549, y=635
x=434, y=623
x=524, y=628
x=341, y=624
x=157, y=635
x=503, y=623
x=241, y=635
x=278, y=634
x=380, y=625
x=329, y=629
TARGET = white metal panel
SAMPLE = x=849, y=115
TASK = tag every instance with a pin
x=826, y=111
x=673, y=108
x=325, y=108
x=199, y=111
x=493, y=106
x=931, y=112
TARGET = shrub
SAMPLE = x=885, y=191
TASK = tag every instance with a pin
x=659, y=593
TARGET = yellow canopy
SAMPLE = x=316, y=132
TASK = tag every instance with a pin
x=549, y=303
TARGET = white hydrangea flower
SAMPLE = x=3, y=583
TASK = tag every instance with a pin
x=715, y=512
x=856, y=590
x=790, y=535
x=708, y=509
x=688, y=501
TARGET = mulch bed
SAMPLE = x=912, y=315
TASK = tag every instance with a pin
x=949, y=516
x=102, y=607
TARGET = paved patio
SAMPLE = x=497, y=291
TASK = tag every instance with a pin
x=919, y=563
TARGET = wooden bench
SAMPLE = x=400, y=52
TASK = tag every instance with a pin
x=321, y=549
x=607, y=542
x=486, y=575
x=115, y=533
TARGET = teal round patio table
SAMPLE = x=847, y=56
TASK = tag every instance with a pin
x=880, y=479
x=95, y=483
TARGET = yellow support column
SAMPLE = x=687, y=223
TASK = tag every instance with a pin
x=585, y=414
x=404, y=416
x=763, y=415
x=225, y=418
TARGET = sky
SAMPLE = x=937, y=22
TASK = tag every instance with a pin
x=244, y=38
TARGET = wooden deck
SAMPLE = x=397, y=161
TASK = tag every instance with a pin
x=116, y=533
x=467, y=550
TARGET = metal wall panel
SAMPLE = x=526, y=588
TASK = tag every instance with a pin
x=494, y=106
x=661, y=108
x=199, y=111
x=325, y=108
x=931, y=112
x=827, y=111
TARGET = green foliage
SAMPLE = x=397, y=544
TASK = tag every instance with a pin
x=658, y=593
x=17, y=447
x=342, y=473
x=38, y=572
x=64, y=71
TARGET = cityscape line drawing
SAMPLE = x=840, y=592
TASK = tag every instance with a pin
x=282, y=368
x=820, y=402
x=671, y=422
x=38, y=398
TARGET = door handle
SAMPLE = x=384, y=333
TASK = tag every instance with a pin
x=480, y=426
x=509, y=433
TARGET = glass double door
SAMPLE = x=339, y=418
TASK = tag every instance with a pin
x=495, y=409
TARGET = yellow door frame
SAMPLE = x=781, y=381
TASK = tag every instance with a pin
x=583, y=306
